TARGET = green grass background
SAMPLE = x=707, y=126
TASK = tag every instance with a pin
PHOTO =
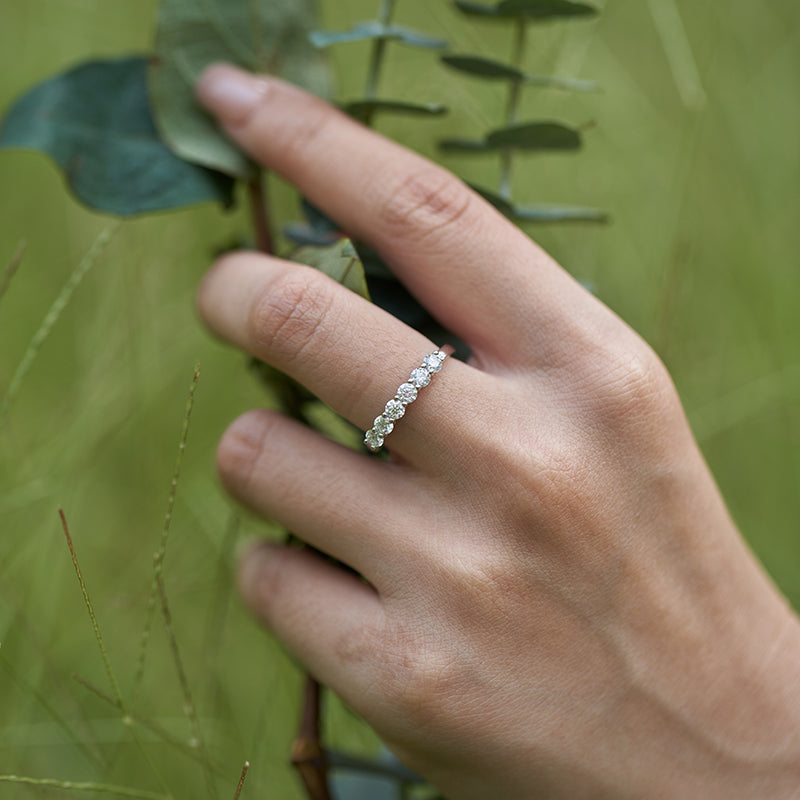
x=696, y=156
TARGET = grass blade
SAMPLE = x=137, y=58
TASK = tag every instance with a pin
x=95, y=625
x=88, y=261
x=119, y=791
x=12, y=267
x=241, y=780
x=158, y=559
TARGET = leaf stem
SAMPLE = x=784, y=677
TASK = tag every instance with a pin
x=512, y=104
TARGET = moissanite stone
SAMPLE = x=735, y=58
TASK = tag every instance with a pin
x=383, y=426
x=394, y=409
x=433, y=363
x=373, y=440
x=420, y=377
x=407, y=393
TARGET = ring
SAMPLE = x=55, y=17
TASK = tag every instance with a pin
x=405, y=395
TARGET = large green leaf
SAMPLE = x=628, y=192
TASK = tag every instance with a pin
x=339, y=261
x=367, y=31
x=94, y=121
x=259, y=35
x=530, y=9
x=536, y=136
x=483, y=67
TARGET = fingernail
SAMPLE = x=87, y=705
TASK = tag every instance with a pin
x=251, y=568
x=229, y=92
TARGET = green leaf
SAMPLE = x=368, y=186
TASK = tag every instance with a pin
x=368, y=31
x=500, y=203
x=483, y=67
x=476, y=9
x=558, y=214
x=465, y=146
x=364, y=109
x=569, y=84
x=536, y=136
x=545, y=9
x=531, y=9
x=339, y=261
x=94, y=121
x=258, y=36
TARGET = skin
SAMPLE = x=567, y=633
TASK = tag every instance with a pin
x=557, y=602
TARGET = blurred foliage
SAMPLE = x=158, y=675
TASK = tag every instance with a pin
x=695, y=156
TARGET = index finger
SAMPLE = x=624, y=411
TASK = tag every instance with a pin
x=476, y=272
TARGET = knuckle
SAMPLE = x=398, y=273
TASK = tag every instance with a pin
x=284, y=319
x=427, y=201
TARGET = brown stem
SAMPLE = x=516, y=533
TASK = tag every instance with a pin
x=259, y=207
x=308, y=756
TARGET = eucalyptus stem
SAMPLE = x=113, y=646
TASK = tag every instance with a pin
x=512, y=104
x=377, y=56
x=259, y=209
x=308, y=755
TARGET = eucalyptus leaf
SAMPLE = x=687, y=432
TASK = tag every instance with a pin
x=569, y=84
x=530, y=9
x=483, y=67
x=500, y=203
x=339, y=261
x=536, y=136
x=94, y=121
x=465, y=146
x=265, y=36
x=543, y=213
x=369, y=31
x=365, y=109
x=545, y=9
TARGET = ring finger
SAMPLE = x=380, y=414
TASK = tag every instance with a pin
x=347, y=351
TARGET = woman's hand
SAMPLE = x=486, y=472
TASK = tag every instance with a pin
x=558, y=603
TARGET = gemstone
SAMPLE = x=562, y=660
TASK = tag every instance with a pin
x=420, y=377
x=433, y=363
x=394, y=409
x=373, y=440
x=407, y=393
x=383, y=426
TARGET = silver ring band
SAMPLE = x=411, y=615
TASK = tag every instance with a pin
x=405, y=395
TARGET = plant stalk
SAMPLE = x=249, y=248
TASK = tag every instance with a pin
x=260, y=212
x=376, y=58
x=308, y=756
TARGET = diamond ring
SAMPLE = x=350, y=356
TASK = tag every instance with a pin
x=405, y=395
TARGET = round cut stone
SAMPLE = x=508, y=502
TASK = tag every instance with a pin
x=433, y=363
x=383, y=426
x=407, y=393
x=394, y=409
x=373, y=440
x=420, y=377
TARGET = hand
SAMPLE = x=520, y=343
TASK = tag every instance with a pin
x=558, y=604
